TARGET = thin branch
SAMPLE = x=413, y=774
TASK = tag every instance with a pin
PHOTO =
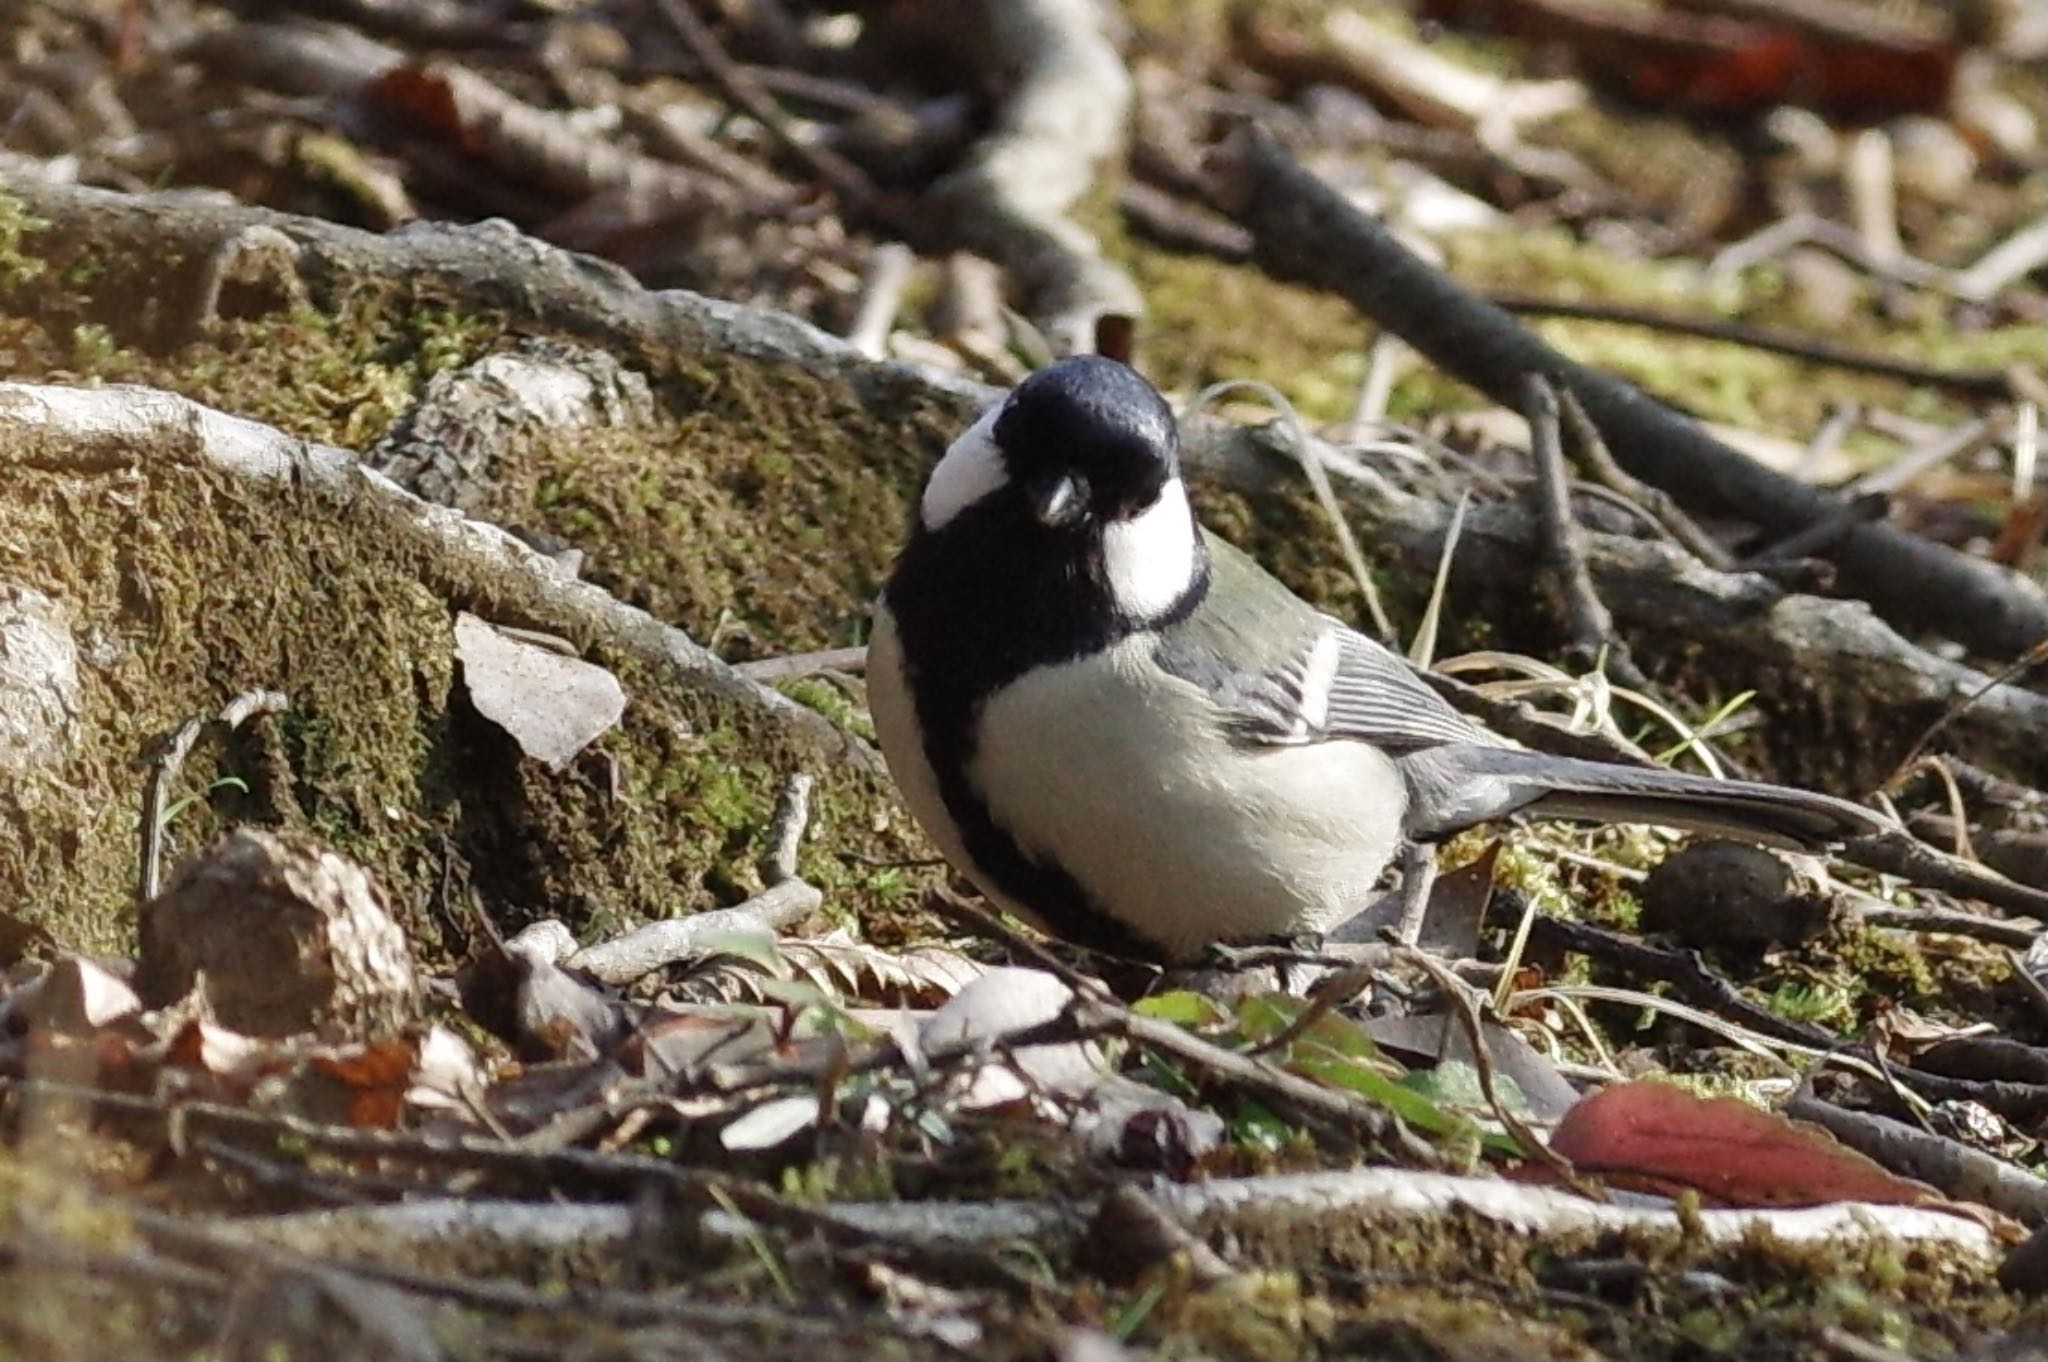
x=848, y=180
x=1583, y=439
x=881, y=295
x=1589, y=629
x=170, y=761
x=1967, y=382
x=1683, y=970
x=1307, y=232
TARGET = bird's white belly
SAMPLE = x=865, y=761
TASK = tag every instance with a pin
x=1188, y=840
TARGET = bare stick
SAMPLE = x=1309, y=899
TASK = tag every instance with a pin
x=170, y=761
x=1898, y=853
x=1589, y=629
x=881, y=295
x=786, y=830
x=1588, y=448
x=1873, y=195
x=1954, y=1167
x=2031, y=658
x=795, y=665
x=1803, y=229
x=2018, y=255
x=1965, y=440
x=673, y=940
x=1418, y=877
x=1812, y=349
x=1823, y=534
x=1306, y=231
x=846, y=178
x=1683, y=970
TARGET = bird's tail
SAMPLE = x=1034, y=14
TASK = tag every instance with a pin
x=1473, y=783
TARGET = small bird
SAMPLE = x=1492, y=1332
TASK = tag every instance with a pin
x=1120, y=728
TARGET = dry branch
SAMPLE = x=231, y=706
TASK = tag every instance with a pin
x=673, y=940
x=1357, y=1200
x=1061, y=119
x=1306, y=231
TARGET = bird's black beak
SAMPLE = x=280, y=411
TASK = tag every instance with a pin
x=1059, y=501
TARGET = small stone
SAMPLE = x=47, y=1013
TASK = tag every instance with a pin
x=1732, y=896
x=1932, y=160
x=287, y=937
x=1823, y=290
x=40, y=698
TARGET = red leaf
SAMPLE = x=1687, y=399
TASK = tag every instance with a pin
x=1661, y=1138
x=374, y=1079
x=426, y=98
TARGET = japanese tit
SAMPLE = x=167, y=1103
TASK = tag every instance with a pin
x=1122, y=729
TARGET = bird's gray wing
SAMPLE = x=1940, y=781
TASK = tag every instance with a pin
x=1330, y=683
x=1283, y=672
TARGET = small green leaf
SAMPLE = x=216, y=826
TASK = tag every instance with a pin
x=1455, y=1083
x=1131, y=1316
x=1182, y=1007
x=1254, y=1125
x=1411, y=1106
x=1263, y=1017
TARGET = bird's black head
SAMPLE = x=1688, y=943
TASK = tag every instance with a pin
x=1077, y=471
x=1087, y=439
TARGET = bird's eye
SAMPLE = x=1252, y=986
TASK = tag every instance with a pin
x=1061, y=500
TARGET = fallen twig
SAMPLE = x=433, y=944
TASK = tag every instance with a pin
x=1683, y=970
x=881, y=295
x=1589, y=629
x=846, y=179
x=1809, y=229
x=797, y=665
x=1874, y=912
x=1965, y=440
x=1583, y=438
x=1813, y=349
x=1899, y=853
x=786, y=830
x=1306, y=231
x=1953, y=1167
x=673, y=940
x=170, y=761
x=1822, y=535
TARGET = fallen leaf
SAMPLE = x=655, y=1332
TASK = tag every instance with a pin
x=1656, y=1137
x=553, y=705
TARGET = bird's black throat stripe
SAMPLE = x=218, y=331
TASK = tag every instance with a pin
x=979, y=603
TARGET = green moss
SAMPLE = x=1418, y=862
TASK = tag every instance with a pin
x=761, y=519
x=18, y=267
x=768, y=500
x=1208, y=321
x=834, y=703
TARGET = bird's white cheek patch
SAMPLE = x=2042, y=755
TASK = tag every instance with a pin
x=973, y=468
x=1152, y=559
